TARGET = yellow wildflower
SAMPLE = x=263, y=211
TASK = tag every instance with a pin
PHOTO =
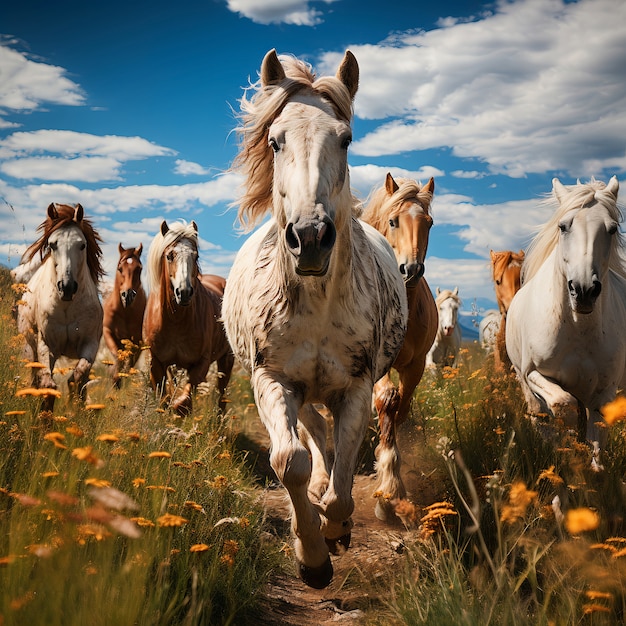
x=581, y=520
x=519, y=500
x=614, y=411
x=171, y=520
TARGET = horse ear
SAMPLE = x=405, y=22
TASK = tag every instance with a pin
x=139, y=250
x=429, y=187
x=613, y=186
x=438, y=291
x=120, y=248
x=348, y=73
x=164, y=228
x=559, y=189
x=195, y=226
x=79, y=213
x=493, y=255
x=522, y=253
x=456, y=291
x=272, y=71
x=390, y=184
x=52, y=211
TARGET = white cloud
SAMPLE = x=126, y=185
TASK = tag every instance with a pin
x=365, y=178
x=26, y=84
x=296, y=12
x=537, y=86
x=85, y=169
x=188, y=168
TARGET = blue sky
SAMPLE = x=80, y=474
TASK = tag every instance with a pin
x=128, y=108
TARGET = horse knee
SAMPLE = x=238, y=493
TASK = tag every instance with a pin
x=292, y=466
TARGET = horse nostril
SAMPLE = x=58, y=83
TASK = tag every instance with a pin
x=291, y=237
x=327, y=235
x=596, y=289
x=402, y=268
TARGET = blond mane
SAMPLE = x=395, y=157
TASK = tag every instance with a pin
x=381, y=207
x=582, y=197
x=255, y=158
x=444, y=294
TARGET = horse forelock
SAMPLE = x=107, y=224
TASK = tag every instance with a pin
x=580, y=197
x=65, y=217
x=446, y=294
x=381, y=207
x=255, y=158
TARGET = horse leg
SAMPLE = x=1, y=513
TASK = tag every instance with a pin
x=158, y=378
x=225, y=366
x=312, y=430
x=351, y=416
x=278, y=408
x=79, y=377
x=563, y=405
x=389, y=486
x=114, y=348
x=183, y=404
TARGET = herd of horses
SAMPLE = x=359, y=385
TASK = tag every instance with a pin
x=326, y=297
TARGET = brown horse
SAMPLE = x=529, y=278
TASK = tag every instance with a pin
x=400, y=211
x=60, y=314
x=123, y=312
x=505, y=269
x=182, y=324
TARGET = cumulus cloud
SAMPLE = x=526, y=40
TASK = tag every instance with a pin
x=27, y=84
x=365, y=178
x=526, y=89
x=296, y=12
x=188, y=168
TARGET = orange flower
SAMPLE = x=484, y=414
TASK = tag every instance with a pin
x=171, y=520
x=551, y=475
x=10, y=413
x=108, y=437
x=32, y=391
x=199, y=547
x=56, y=439
x=35, y=365
x=97, y=482
x=519, y=500
x=142, y=521
x=581, y=520
x=160, y=454
x=95, y=407
x=75, y=430
x=86, y=454
x=137, y=482
x=614, y=411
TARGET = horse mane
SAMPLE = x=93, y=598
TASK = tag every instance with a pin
x=65, y=216
x=582, y=196
x=155, y=265
x=502, y=260
x=444, y=294
x=381, y=207
x=255, y=158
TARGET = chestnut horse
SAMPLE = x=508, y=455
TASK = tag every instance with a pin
x=60, y=313
x=123, y=312
x=505, y=271
x=182, y=324
x=400, y=210
x=314, y=307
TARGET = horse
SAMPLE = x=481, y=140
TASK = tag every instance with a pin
x=488, y=330
x=506, y=266
x=314, y=307
x=445, y=347
x=123, y=312
x=564, y=330
x=181, y=324
x=60, y=313
x=400, y=210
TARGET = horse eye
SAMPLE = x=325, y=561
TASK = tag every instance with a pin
x=498, y=282
x=563, y=227
x=346, y=142
x=170, y=256
x=393, y=223
x=83, y=246
x=612, y=229
x=52, y=245
x=273, y=144
x=119, y=269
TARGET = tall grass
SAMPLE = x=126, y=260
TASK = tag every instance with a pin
x=528, y=533
x=117, y=512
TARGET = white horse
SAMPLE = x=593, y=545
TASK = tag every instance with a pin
x=565, y=330
x=488, y=330
x=60, y=313
x=447, y=342
x=314, y=306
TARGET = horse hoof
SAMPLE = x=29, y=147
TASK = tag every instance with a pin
x=316, y=577
x=385, y=512
x=338, y=545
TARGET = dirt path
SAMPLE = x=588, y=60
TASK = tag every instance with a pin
x=362, y=573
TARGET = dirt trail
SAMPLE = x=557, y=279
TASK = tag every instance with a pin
x=375, y=551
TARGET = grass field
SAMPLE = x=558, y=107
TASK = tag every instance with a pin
x=119, y=512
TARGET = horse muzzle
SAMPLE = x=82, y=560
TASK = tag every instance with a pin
x=583, y=298
x=311, y=242
x=411, y=272
x=127, y=297
x=67, y=289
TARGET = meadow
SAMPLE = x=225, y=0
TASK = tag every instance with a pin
x=120, y=512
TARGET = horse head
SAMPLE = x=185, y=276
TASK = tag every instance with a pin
x=67, y=247
x=181, y=260
x=128, y=277
x=506, y=268
x=309, y=139
x=587, y=225
x=409, y=224
x=448, y=303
